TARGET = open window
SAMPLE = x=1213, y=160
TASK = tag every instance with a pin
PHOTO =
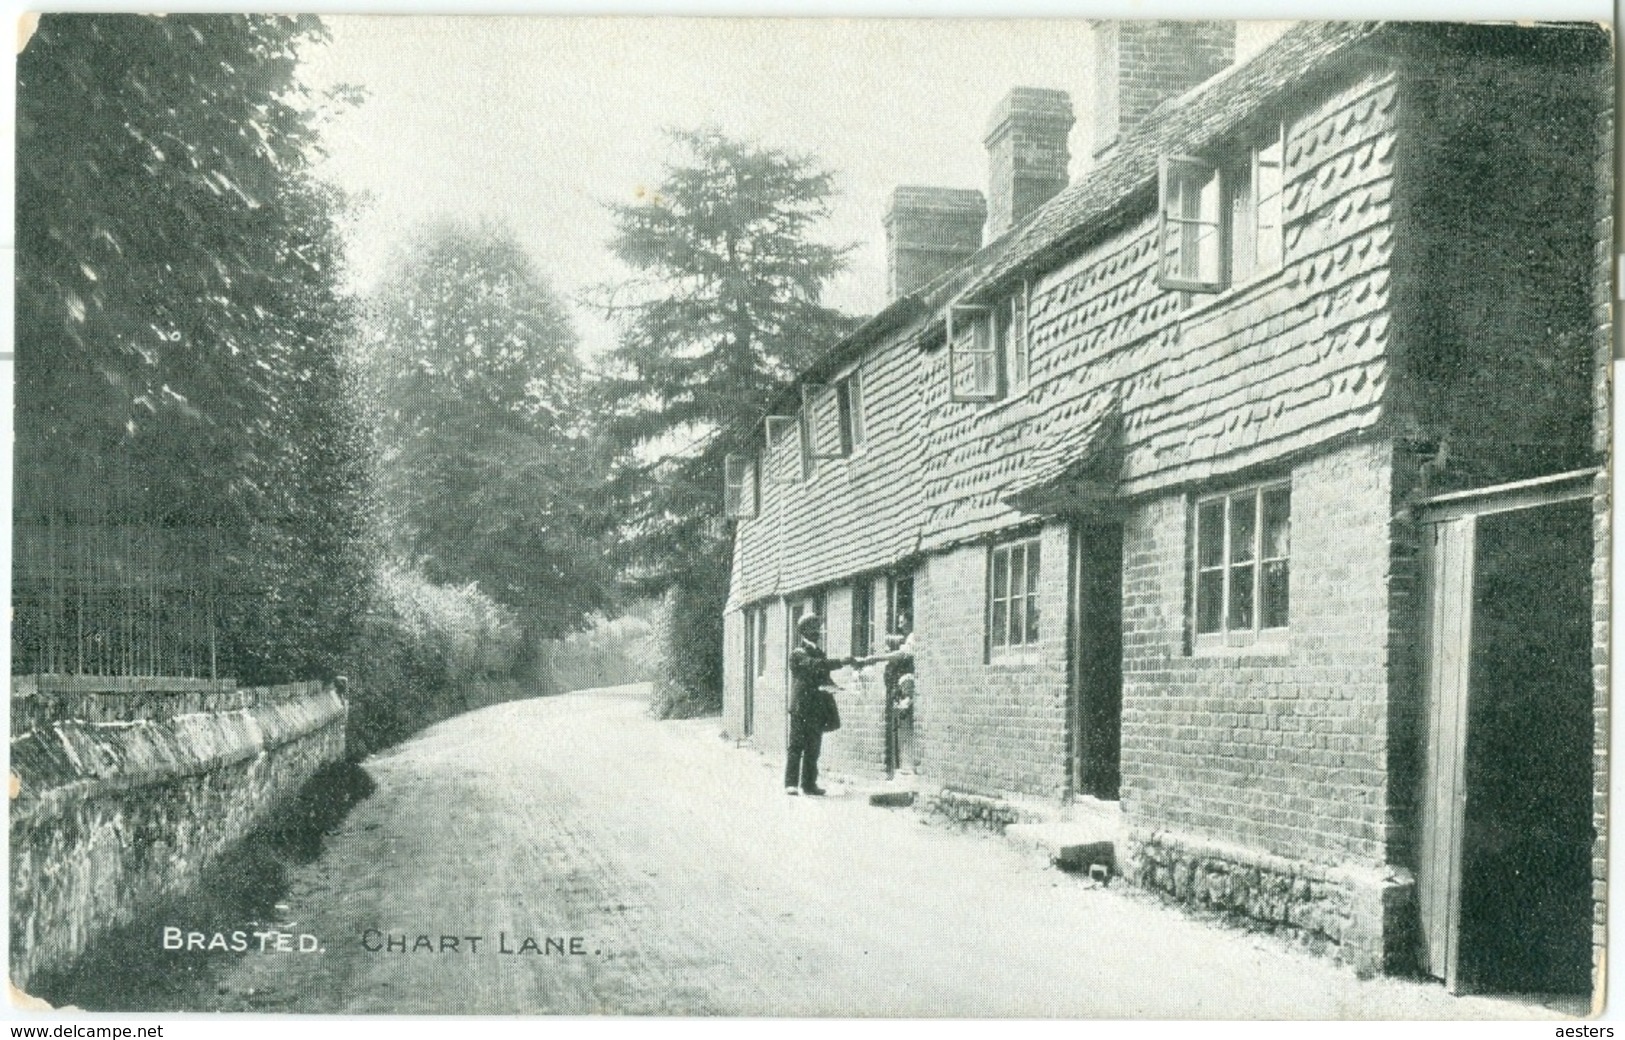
x=820, y=423
x=849, y=408
x=740, y=496
x=987, y=348
x=782, y=430
x=1220, y=220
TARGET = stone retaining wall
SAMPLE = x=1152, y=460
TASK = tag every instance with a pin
x=122, y=797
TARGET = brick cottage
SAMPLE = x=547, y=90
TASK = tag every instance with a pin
x=1247, y=490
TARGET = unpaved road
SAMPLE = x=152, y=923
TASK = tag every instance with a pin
x=696, y=886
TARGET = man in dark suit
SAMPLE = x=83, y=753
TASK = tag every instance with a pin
x=809, y=672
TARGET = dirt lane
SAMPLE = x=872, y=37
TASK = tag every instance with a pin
x=694, y=885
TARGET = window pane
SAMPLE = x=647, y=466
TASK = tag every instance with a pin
x=1243, y=527
x=987, y=373
x=1032, y=619
x=1000, y=623
x=1210, y=534
x=1273, y=595
x=1001, y=573
x=1032, y=568
x=1210, y=601
x=1018, y=337
x=1268, y=217
x=1277, y=523
x=1241, y=597
x=1243, y=220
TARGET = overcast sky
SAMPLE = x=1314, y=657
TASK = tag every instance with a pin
x=540, y=121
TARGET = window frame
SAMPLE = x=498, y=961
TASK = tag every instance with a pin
x=811, y=394
x=777, y=431
x=1256, y=633
x=999, y=331
x=978, y=318
x=1236, y=221
x=741, y=476
x=1028, y=624
x=896, y=584
x=849, y=412
x=863, y=630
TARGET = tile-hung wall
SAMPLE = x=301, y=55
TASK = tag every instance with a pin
x=1208, y=386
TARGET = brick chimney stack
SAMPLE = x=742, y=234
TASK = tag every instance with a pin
x=928, y=232
x=1026, y=154
x=1141, y=64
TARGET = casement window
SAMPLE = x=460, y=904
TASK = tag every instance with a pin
x=1220, y=221
x=899, y=604
x=1243, y=565
x=863, y=608
x=1012, y=602
x=987, y=348
x=740, y=495
x=849, y=411
x=812, y=603
x=782, y=430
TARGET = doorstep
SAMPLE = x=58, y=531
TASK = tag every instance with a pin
x=1084, y=835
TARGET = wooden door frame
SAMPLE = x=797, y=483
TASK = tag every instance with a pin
x=1457, y=513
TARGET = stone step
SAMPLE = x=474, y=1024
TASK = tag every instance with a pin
x=892, y=799
x=1072, y=846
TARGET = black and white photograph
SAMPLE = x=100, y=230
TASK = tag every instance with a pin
x=1099, y=517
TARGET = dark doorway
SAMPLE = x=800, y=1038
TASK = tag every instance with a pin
x=1526, y=832
x=1097, y=660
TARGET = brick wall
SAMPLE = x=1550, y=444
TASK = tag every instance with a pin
x=1285, y=753
x=1143, y=63
x=859, y=747
x=1495, y=319
x=1027, y=154
x=999, y=726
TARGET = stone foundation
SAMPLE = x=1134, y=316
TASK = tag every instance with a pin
x=975, y=810
x=1365, y=916
x=122, y=798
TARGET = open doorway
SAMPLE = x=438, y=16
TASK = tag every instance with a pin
x=1097, y=659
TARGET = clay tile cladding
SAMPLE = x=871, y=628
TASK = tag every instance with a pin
x=1199, y=393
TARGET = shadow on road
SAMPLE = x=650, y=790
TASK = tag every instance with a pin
x=134, y=968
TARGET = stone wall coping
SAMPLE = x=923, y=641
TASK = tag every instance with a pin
x=92, y=758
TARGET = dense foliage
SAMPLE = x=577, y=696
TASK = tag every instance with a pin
x=487, y=472
x=179, y=323
x=724, y=309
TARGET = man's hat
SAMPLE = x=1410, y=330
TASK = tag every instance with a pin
x=810, y=625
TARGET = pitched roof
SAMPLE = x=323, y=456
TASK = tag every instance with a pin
x=1192, y=122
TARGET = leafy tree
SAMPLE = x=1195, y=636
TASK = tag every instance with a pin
x=179, y=323
x=723, y=309
x=487, y=471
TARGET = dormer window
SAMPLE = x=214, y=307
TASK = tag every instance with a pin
x=987, y=348
x=1221, y=221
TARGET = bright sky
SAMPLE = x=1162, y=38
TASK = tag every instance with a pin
x=539, y=121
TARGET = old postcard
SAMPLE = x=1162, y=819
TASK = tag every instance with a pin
x=1026, y=518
